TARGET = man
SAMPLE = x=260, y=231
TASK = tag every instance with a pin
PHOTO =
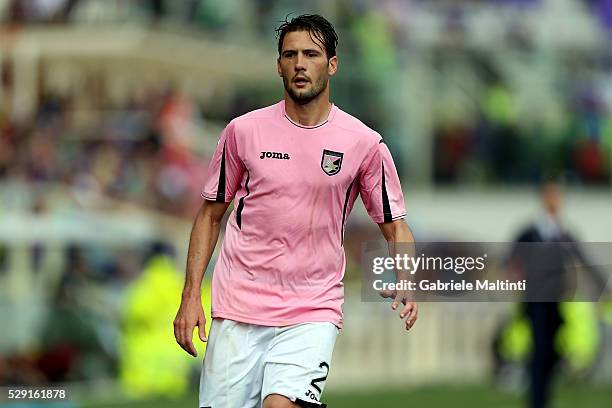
x=296, y=169
x=546, y=254
x=544, y=269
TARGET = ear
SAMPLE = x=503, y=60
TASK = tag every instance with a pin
x=278, y=67
x=332, y=65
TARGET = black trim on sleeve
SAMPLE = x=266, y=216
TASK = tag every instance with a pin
x=308, y=404
x=387, y=216
x=346, y=200
x=221, y=185
x=241, y=201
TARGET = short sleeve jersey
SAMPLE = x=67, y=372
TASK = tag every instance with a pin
x=282, y=259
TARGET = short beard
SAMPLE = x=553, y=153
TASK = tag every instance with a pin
x=306, y=97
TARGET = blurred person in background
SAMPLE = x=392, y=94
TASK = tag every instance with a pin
x=298, y=167
x=147, y=365
x=549, y=265
x=545, y=317
x=74, y=347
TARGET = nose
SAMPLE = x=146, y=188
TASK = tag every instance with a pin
x=299, y=62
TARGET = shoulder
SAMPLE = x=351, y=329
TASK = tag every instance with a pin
x=359, y=130
x=529, y=233
x=249, y=118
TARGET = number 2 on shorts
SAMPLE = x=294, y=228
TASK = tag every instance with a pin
x=320, y=379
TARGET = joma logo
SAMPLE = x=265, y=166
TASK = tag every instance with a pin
x=274, y=155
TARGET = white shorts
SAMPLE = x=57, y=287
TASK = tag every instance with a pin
x=244, y=363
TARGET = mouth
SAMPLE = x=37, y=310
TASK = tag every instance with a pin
x=300, y=81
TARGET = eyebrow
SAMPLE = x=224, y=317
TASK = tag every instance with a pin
x=306, y=50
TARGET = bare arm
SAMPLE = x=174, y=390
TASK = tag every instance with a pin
x=400, y=241
x=202, y=242
x=204, y=236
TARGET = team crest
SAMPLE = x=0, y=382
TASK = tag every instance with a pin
x=331, y=162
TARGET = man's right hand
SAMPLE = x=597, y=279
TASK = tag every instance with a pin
x=190, y=315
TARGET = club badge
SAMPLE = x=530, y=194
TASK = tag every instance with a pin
x=331, y=162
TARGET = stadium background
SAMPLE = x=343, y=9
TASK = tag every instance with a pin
x=110, y=109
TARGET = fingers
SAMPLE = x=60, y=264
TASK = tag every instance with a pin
x=410, y=312
x=202, y=329
x=188, y=340
x=400, y=297
x=183, y=333
x=176, y=332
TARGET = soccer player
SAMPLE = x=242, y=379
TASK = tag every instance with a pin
x=295, y=170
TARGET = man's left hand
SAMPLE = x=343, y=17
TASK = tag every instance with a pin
x=409, y=311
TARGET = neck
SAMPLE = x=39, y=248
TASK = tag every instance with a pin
x=312, y=113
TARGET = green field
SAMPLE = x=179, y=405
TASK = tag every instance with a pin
x=431, y=397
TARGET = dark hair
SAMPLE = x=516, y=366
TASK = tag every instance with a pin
x=315, y=25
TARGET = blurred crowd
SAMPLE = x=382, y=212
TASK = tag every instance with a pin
x=502, y=142
x=512, y=114
x=125, y=155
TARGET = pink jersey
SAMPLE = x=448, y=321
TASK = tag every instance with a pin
x=282, y=261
